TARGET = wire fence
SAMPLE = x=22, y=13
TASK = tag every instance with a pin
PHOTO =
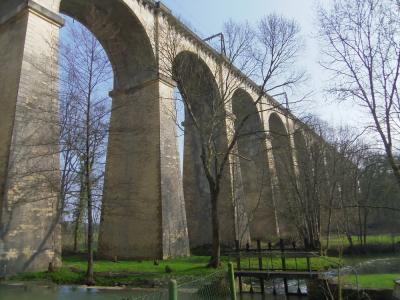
x=217, y=286
x=213, y=286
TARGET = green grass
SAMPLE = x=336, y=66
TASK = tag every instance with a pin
x=382, y=239
x=146, y=273
x=381, y=281
x=61, y=276
x=140, y=273
x=368, y=281
x=194, y=265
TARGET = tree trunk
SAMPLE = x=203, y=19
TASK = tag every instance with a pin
x=79, y=209
x=360, y=225
x=328, y=227
x=350, y=240
x=365, y=226
x=88, y=156
x=89, y=273
x=76, y=230
x=216, y=244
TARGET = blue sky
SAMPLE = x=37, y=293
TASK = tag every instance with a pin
x=208, y=17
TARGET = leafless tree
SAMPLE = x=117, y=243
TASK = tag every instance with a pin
x=275, y=53
x=362, y=51
x=267, y=54
x=86, y=76
x=323, y=191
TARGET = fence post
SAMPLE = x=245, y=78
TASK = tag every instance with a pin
x=260, y=265
x=173, y=290
x=238, y=266
x=272, y=267
x=231, y=275
x=283, y=259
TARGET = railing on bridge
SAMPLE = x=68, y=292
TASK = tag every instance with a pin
x=219, y=285
x=272, y=263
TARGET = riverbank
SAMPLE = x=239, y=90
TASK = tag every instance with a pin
x=372, y=271
x=156, y=274
x=146, y=274
x=143, y=274
x=372, y=281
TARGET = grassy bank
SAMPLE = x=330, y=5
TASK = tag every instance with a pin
x=372, y=281
x=383, y=280
x=377, y=239
x=149, y=273
x=156, y=274
x=135, y=273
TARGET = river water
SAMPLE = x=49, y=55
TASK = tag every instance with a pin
x=378, y=265
x=41, y=292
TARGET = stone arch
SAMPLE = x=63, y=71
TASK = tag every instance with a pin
x=199, y=89
x=129, y=51
x=142, y=191
x=195, y=79
x=280, y=140
x=254, y=166
x=143, y=212
x=284, y=170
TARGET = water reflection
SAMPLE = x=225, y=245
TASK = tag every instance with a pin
x=382, y=265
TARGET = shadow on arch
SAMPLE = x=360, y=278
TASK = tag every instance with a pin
x=204, y=126
x=122, y=35
x=132, y=224
x=285, y=178
x=254, y=167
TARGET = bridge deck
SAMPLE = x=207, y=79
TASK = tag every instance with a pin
x=277, y=274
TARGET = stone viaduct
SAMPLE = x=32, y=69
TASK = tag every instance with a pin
x=148, y=210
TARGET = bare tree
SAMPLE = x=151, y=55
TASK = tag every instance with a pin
x=266, y=54
x=88, y=75
x=362, y=51
x=278, y=44
x=323, y=192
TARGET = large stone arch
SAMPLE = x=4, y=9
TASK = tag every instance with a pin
x=254, y=166
x=122, y=35
x=199, y=90
x=285, y=177
x=142, y=214
x=143, y=210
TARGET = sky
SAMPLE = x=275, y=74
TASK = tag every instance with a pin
x=208, y=16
